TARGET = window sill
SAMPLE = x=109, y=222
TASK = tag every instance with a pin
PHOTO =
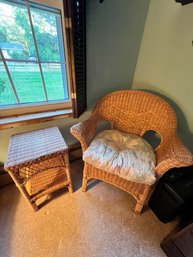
x=27, y=119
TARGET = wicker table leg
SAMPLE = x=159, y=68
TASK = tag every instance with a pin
x=84, y=183
x=67, y=168
x=24, y=192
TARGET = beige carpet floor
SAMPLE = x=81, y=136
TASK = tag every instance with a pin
x=98, y=223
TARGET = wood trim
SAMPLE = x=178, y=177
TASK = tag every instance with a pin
x=75, y=154
x=34, y=108
x=29, y=119
x=75, y=151
x=70, y=50
x=65, y=24
x=36, y=112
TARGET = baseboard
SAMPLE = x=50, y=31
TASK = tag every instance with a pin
x=75, y=152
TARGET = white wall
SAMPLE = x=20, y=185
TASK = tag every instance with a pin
x=114, y=32
x=165, y=61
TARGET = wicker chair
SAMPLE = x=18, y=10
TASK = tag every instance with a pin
x=135, y=112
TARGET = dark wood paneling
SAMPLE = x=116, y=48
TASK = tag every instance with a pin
x=183, y=2
x=79, y=44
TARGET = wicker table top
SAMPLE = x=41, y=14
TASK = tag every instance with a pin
x=33, y=145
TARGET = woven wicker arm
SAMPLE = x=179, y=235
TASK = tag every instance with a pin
x=85, y=131
x=172, y=154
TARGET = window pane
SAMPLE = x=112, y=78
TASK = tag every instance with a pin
x=7, y=96
x=54, y=75
x=15, y=33
x=18, y=47
x=47, y=32
x=27, y=81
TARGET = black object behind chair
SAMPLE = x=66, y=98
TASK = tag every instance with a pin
x=173, y=194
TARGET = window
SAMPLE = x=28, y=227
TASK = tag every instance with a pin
x=32, y=59
x=42, y=56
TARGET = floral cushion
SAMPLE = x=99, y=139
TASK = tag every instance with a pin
x=124, y=154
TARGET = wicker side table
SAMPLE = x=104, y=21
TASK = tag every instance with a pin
x=38, y=163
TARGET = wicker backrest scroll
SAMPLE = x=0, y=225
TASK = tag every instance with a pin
x=137, y=112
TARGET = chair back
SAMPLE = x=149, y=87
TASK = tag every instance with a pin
x=137, y=112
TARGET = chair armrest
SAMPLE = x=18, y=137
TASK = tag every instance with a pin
x=85, y=131
x=172, y=154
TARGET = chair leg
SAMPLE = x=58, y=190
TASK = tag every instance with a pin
x=138, y=208
x=84, y=184
x=143, y=199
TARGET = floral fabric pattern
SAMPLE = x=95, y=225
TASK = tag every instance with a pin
x=124, y=154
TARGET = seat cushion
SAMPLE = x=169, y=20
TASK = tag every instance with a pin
x=124, y=154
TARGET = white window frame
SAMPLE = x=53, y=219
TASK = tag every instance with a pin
x=6, y=111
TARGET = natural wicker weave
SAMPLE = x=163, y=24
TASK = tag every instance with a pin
x=135, y=112
x=38, y=163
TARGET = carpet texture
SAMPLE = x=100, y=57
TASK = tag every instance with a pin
x=98, y=223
